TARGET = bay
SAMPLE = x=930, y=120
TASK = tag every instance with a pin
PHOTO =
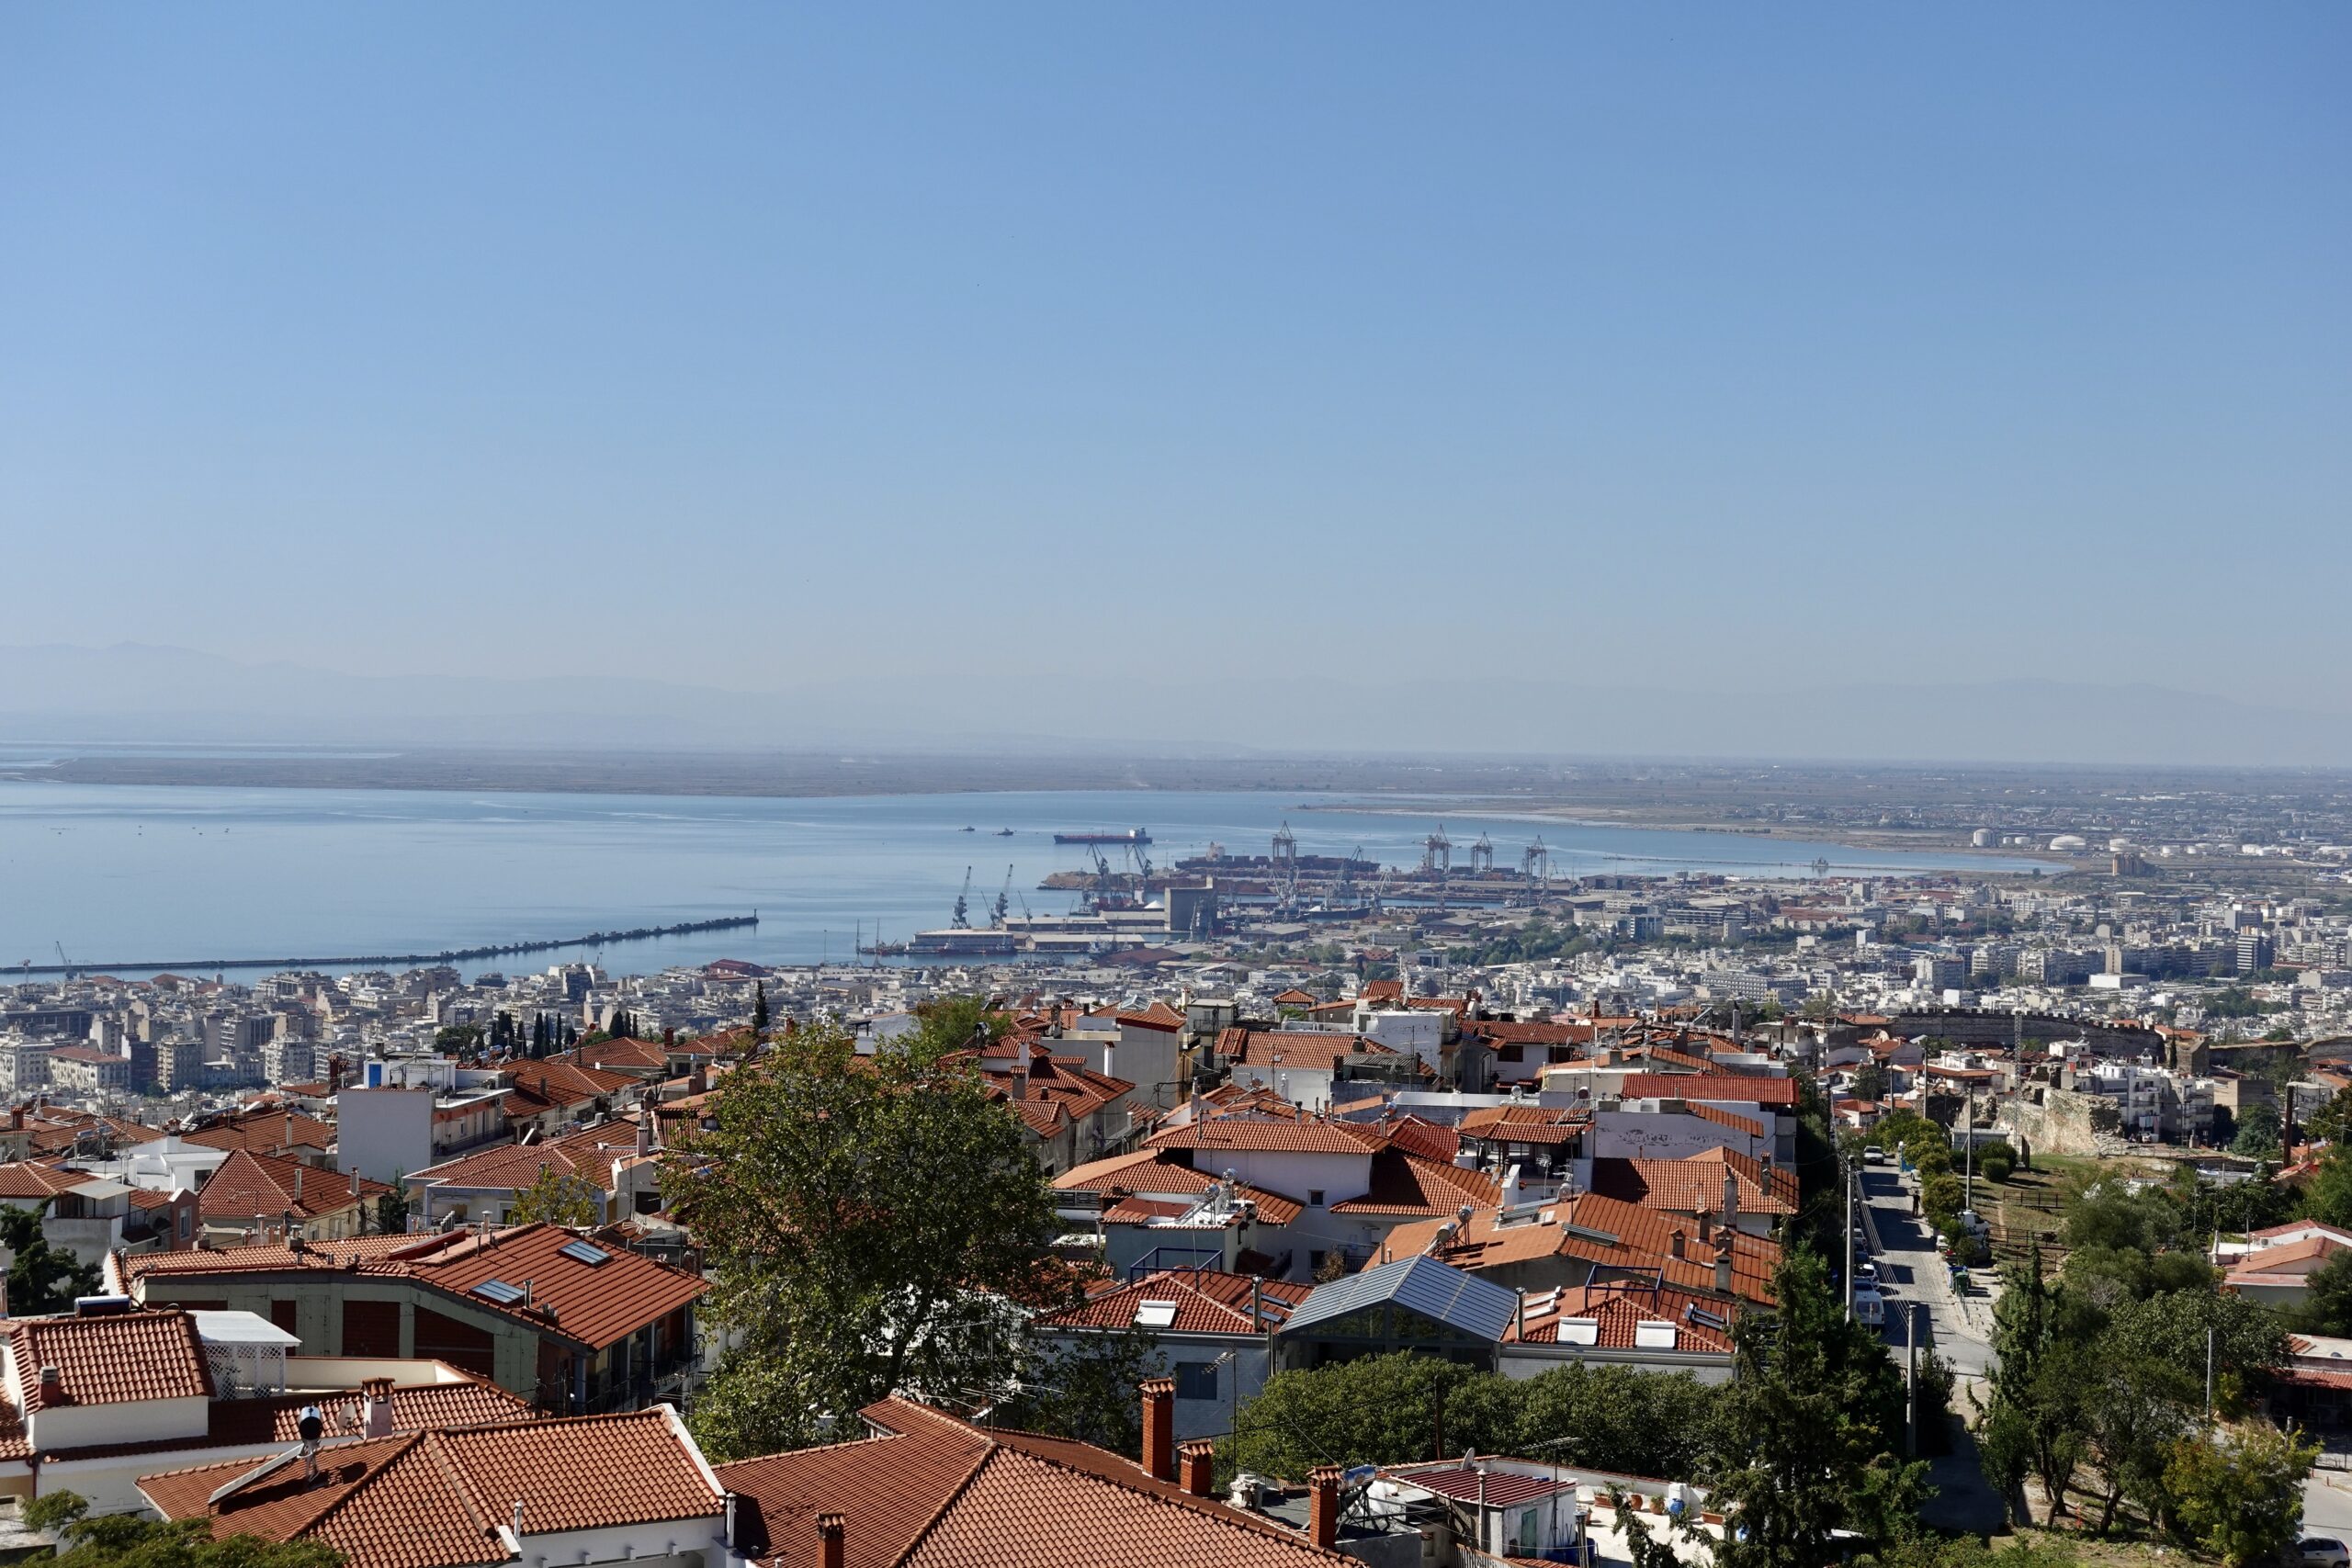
x=122, y=875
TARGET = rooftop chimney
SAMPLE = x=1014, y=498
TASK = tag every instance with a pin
x=1323, y=1506
x=1159, y=1428
x=829, y=1540
x=1731, y=1195
x=1723, y=1265
x=1706, y=1229
x=375, y=1406
x=355, y=1183
x=1196, y=1466
x=644, y=1131
x=518, y=1524
x=1674, y=1244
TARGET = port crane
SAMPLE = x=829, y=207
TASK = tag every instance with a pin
x=64, y=963
x=1482, y=856
x=1003, y=899
x=963, y=918
x=1535, y=863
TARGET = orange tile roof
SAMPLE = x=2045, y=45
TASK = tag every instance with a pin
x=1147, y=1172
x=567, y=1083
x=587, y=1155
x=1701, y=1322
x=1408, y=1184
x=1258, y=1130
x=1207, y=1300
x=1738, y=1088
x=38, y=1179
x=593, y=1305
x=269, y=1132
x=1302, y=1048
x=1527, y=1123
x=110, y=1360
x=1694, y=1185
x=1159, y=1015
x=1607, y=1233
x=1731, y=1119
x=436, y=1499
x=934, y=1492
x=248, y=1184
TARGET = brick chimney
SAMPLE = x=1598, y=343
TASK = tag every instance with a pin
x=1323, y=1506
x=1159, y=1428
x=1196, y=1466
x=829, y=1540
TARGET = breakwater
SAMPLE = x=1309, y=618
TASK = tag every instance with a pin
x=446, y=955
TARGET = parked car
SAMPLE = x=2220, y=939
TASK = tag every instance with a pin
x=1874, y=1155
x=1865, y=1270
x=2323, y=1552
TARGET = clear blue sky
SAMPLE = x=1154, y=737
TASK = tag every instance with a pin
x=1712, y=346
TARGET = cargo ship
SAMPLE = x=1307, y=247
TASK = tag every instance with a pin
x=1132, y=836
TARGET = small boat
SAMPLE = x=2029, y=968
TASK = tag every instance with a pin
x=1005, y=832
x=967, y=827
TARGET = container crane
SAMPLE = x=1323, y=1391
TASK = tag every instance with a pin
x=963, y=919
x=64, y=963
x=1003, y=899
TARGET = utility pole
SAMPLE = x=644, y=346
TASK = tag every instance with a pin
x=1911, y=1381
x=1850, y=1236
x=2209, y=1377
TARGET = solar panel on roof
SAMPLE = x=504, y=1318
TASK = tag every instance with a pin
x=499, y=1290
x=583, y=1252
x=1156, y=1315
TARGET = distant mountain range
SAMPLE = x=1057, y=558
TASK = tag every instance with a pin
x=137, y=693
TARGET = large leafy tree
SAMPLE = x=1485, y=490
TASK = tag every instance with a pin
x=2138, y=1406
x=40, y=1279
x=2238, y=1492
x=871, y=1225
x=2034, y=1419
x=1809, y=1429
x=557, y=1198
x=126, y=1540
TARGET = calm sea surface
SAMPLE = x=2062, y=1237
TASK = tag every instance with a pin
x=122, y=875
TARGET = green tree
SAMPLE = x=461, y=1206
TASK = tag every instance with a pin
x=2137, y=1407
x=1869, y=1081
x=126, y=1540
x=870, y=1225
x=2238, y=1492
x=1087, y=1392
x=41, y=1280
x=1810, y=1425
x=759, y=1010
x=557, y=1198
x=2258, y=1134
x=2033, y=1422
x=391, y=1208
x=2249, y=1342
x=1375, y=1410
x=2327, y=1298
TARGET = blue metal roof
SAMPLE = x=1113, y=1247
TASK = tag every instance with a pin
x=1424, y=1285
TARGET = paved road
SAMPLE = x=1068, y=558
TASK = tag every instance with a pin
x=1912, y=1273
x=2327, y=1503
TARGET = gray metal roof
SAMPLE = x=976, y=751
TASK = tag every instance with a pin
x=1460, y=1300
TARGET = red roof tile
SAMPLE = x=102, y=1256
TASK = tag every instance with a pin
x=109, y=1361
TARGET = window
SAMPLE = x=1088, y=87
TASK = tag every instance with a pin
x=1196, y=1380
x=1315, y=1262
x=1315, y=1197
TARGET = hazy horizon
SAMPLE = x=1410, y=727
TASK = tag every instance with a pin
x=1217, y=375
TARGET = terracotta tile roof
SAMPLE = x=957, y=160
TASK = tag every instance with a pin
x=1407, y=1184
x=1527, y=1123
x=267, y=1131
x=1153, y=1175
x=38, y=1179
x=630, y=1058
x=1159, y=1015
x=587, y=1155
x=1731, y=1119
x=1701, y=1322
x=110, y=1360
x=248, y=1184
x=1295, y=997
x=250, y=1421
x=1258, y=1130
x=1607, y=1233
x=1694, y=1185
x=567, y=1083
x=1207, y=1300
x=1736, y=1088
x=1381, y=991
x=935, y=1493
x=435, y=1499
x=593, y=1304
x=1305, y=1049
x=1431, y=1140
